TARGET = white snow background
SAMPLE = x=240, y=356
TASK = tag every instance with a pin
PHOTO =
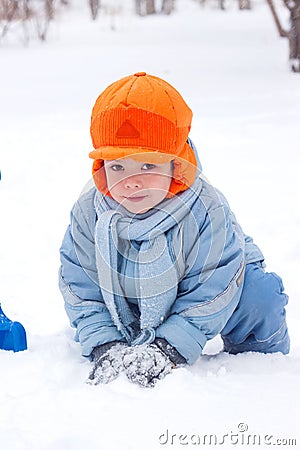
x=232, y=69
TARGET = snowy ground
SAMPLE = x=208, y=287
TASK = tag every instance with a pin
x=232, y=69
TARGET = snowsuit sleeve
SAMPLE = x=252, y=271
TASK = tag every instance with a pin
x=79, y=284
x=212, y=284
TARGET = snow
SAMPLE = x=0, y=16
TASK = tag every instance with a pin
x=232, y=69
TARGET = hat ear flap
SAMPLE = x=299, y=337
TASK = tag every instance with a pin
x=100, y=177
x=184, y=171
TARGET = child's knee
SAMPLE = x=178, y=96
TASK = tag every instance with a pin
x=261, y=309
x=263, y=292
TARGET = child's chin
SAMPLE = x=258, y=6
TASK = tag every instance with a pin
x=136, y=210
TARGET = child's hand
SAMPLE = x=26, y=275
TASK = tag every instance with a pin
x=107, y=363
x=146, y=364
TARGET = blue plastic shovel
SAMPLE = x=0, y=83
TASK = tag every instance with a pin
x=12, y=334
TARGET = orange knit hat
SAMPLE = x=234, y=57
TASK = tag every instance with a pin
x=143, y=117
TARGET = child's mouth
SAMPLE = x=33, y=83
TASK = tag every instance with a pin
x=136, y=199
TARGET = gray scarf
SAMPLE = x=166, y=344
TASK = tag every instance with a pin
x=141, y=239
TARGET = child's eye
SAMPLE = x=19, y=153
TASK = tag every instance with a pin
x=148, y=166
x=117, y=167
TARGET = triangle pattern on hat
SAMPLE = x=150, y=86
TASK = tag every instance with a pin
x=127, y=130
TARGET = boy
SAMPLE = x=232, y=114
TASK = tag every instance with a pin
x=154, y=263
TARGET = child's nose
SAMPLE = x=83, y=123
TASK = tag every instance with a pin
x=133, y=182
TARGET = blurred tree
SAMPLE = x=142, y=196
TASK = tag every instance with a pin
x=281, y=31
x=150, y=6
x=293, y=34
x=49, y=9
x=145, y=7
x=9, y=13
x=244, y=4
x=167, y=6
x=30, y=17
x=94, y=8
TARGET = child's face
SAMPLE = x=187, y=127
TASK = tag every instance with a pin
x=136, y=185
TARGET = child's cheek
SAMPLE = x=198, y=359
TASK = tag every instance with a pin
x=114, y=183
x=161, y=182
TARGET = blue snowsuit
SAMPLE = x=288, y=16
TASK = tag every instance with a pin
x=231, y=295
